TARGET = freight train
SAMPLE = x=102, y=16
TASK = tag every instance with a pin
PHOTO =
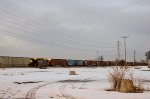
x=70, y=62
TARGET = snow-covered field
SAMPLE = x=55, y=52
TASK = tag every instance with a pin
x=55, y=83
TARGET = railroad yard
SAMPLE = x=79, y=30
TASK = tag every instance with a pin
x=56, y=83
x=74, y=49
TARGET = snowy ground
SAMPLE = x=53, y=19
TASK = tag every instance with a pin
x=55, y=83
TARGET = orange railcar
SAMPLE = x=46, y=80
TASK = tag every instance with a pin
x=58, y=62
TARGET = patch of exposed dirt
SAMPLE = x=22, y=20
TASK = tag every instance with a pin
x=145, y=70
x=39, y=71
x=58, y=73
x=28, y=82
x=144, y=80
x=75, y=81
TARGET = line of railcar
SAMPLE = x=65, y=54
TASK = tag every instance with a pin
x=71, y=62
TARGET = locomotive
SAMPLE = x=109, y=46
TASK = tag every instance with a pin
x=41, y=63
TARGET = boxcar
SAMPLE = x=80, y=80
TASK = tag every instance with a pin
x=8, y=61
x=75, y=62
x=101, y=63
x=58, y=62
x=90, y=63
x=110, y=63
x=130, y=63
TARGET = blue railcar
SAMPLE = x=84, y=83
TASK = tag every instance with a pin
x=80, y=62
x=75, y=62
x=70, y=62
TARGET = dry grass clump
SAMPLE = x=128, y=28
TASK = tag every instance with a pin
x=115, y=76
x=119, y=82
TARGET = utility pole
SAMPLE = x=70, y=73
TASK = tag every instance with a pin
x=125, y=50
x=97, y=53
x=118, y=44
x=134, y=57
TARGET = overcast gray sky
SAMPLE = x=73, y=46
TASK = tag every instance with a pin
x=74, y=29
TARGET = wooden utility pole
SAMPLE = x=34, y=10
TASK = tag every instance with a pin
x=97, y=53
x=118, y=45
x=134, y=57
x=125, y=50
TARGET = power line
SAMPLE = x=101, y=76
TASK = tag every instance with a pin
x=25, y=33
x=64, y=40
x=19, y=18
x=28, y=38
x=37, y=38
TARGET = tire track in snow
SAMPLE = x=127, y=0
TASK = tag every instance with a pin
x=64, y=93
x=31, y=94
x=62, y=88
